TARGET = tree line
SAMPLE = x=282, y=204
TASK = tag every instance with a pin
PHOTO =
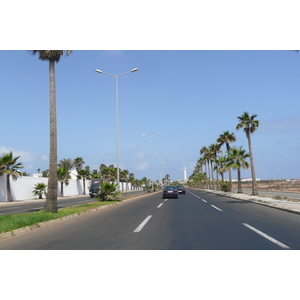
x=10, y=167
x=212, y=160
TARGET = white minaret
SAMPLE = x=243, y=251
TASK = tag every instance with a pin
x=184, y=174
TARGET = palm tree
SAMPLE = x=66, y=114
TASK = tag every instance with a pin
x=63, y=176
x=214, y=150
x=9, y=166
x=83, y=174
x=249, y=125
x=78, y=163
x=53, y=56
x=227, y=138
x=66, y=163
x=124, y=176
x=236, y=160
x=206, y=159
x=40, y=189
x=221, y=165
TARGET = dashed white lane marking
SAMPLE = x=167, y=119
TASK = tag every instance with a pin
x=204, y=200
x=267, y=236
x=140, y=227
x=217, y=208
x=159, y=205
x=166, y=199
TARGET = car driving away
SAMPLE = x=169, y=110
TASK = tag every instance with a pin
x=181, y=189
x=170, y=191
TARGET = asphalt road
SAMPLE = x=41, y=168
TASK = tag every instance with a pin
x=19, y=207
x=197, y=220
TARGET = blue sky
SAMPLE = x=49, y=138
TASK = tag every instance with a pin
x=190, y=97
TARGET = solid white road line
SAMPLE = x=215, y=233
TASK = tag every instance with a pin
x=159, y=205
x=217, y=208
x=140, y=227
x=267, y=236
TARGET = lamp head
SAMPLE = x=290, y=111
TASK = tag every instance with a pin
x=98, y=71
x=134, y=70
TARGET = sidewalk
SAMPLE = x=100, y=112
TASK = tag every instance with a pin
x=286, y=204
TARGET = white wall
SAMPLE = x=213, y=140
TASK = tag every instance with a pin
x=22, y=188
x=3, y=195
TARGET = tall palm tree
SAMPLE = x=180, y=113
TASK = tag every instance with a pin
x=226, y=138
x=206, y=159
x=236, y=160
x=9, y=167
x=214, y=150
x=221, y=165
x=249, y=125
x=53, y=56
x=78, y=163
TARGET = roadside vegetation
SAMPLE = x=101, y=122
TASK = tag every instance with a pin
x=12, y=222
x=213, y=164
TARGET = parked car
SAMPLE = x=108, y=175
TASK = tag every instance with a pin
x=170, y=191
x=181, y=189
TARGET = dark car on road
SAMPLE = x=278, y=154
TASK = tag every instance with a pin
x=170, y=191
x=95, y=187
x=181, y=189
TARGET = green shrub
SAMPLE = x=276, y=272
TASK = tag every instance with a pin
x=225, y=186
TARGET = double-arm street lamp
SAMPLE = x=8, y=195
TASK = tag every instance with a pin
x=117, y=118
x=151, y=137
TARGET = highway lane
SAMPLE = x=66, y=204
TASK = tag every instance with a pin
x=197, y=220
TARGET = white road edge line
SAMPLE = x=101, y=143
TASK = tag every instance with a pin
x=140, y=227
x=217, y=208
x=267, y=236
x=159, y=205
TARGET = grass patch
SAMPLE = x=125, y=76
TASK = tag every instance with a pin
x=13, y=222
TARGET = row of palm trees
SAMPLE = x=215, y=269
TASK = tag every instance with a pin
x=235, y=157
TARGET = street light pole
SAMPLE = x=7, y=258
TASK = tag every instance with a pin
x=151, y=137
x=161, y=154
x=117, y=118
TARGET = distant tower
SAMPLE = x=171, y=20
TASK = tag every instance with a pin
x=184, y=174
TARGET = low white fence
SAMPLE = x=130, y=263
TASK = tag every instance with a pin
x=22, y=188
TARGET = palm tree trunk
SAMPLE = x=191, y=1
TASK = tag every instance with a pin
x=9, y=195
x=208, y=168
x=61, y=189
x=84, y=193
x=51, y=199
x=254, y=183
x=240, y=191
x=212, y=175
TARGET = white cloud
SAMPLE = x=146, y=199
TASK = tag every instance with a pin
x=29, y=159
